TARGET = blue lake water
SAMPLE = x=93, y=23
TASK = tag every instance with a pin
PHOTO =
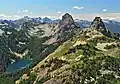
x=20, y=64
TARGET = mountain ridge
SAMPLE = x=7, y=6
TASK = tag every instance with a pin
x=61, y=51
x=85, y=58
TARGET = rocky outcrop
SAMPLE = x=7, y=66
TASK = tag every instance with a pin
x=67, y=19
x=99, y=25
x=67, y=27
x=117, y=35
x=67, y=22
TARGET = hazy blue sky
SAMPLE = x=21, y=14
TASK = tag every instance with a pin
x=55, y=8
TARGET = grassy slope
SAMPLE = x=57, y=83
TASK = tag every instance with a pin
x=84, y=64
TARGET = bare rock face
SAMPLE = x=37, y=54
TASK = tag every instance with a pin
x=68, y=22
x=99, y=25
x=117, y=35
x=67, y=19
x=67, y=27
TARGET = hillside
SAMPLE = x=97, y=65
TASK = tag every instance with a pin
x=89, y=57
x=31, y=39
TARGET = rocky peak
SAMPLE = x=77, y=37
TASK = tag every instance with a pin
x=98, y=19
x=68, y=22
x=117, y=35
x=98, y=24
x=67, y=19
x=67, y=27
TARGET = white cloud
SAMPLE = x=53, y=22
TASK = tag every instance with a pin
x=77, y=7
x=3, y=16
x=110, y=16
x=25, y=11
x=59, y=12
x=31, y=12
x=104, y=10
x=18, y=11
x=16, y=16
x=46, y=16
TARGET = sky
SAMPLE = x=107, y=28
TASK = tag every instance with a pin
x=79, y=9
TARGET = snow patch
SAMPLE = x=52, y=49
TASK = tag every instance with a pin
x=1, y=32
x=22, y=43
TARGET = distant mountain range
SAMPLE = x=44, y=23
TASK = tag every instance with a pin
x=113, y=25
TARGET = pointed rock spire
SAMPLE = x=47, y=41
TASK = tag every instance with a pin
x=67, y=19
x=98, y=24
x=67, y=27
x=68, y=22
